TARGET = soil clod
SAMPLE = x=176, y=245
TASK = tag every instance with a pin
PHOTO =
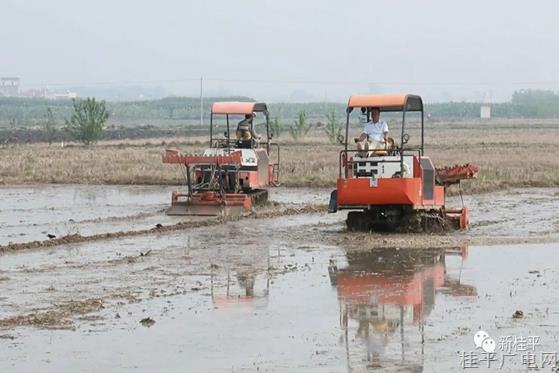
x=147, y=322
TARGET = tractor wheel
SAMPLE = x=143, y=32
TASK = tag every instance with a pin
x=357, y=222
x=411, y=222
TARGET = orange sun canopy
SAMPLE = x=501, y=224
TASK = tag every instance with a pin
x=395, y=102
x=237, y=107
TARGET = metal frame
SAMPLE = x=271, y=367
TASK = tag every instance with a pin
x=258, y=108
x=343, y=152
x=228, y=133
x=401, y=148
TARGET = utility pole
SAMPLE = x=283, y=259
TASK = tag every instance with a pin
x=201, y=101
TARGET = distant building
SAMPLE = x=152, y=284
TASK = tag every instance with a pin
x=64, y=96
x=485, y=112
x=49, y=94
x=34, y=93
x=9, y=87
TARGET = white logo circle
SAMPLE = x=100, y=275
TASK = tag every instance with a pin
x=479, y=337
x=488, y=345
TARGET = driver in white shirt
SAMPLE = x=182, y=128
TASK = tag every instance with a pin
x=375, y=133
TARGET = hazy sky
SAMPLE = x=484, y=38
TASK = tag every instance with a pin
x=285, y=49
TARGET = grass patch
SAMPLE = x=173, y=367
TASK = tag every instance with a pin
x=508, y=155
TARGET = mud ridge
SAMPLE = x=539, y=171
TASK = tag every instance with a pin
x=368, y=241
x=139, y=215
x=58, y=317
x=266, y=212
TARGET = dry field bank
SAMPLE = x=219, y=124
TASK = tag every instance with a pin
x=510, y=153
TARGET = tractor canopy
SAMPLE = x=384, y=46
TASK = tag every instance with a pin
x=238, y=108
x=223, y=113
x=394, y=102
x=388, y=103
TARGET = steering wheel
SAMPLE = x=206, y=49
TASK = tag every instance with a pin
x=221, y=143
x=405, y=138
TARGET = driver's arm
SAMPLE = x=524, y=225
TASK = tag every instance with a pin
x=361, y=137
x=385, y=131
x=254, y=134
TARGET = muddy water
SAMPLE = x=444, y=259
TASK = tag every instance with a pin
x=301, y=195
x=259, y=296
x=32, y=213
x=515, y=212
x=295, y=293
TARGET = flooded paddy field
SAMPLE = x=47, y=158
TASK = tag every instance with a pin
x=32, y=213
x=285, y=293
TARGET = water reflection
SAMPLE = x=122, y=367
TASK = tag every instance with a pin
x=385, y=296
x=243, y=285
x=240, y=289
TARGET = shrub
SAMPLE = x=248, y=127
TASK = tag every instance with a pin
x=87, y=121
x=300, y=128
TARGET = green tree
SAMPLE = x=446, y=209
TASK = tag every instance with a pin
x=535, y=103
x=300, y=128
x=49, y=125
x=87, y=121
x=333, y=127
x=276, y=127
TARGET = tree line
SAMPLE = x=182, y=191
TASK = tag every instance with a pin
x=85, y=119
x=30, y=112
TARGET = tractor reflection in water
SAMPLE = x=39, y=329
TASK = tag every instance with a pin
x=243, y=286
x=240, y=289
x=385, y=297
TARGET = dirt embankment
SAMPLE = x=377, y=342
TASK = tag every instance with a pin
x=39, y=135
